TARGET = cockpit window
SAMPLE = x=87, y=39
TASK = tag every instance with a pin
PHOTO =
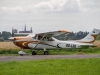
x=38, y=37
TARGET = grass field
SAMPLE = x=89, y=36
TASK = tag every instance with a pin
x=52, y=67
x=8, y=45
x=97, y=43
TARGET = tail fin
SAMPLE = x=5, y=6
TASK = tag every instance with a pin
x=91, y=37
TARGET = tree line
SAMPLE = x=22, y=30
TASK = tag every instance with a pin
x=71, y=36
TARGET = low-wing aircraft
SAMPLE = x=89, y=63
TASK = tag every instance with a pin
x=46, y=41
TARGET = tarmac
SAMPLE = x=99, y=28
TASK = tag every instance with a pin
x=41, y=57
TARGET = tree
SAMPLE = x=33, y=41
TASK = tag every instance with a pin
x=98, y=37
x=71, y=36
x=6, y=35
x=0, y=34
x=1, y=39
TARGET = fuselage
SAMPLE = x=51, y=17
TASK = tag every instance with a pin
x=30, y=43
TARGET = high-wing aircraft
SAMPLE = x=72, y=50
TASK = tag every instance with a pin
x=46, y=41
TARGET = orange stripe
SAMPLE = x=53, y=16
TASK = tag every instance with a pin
x=90, y=41
x=16, y=38
x=20, y=44
x=64, y=31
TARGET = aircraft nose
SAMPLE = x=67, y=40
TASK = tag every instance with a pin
x=11, y=38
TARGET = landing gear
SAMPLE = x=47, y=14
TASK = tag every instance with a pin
x=46, y=52
x=21, y=53
x=34, y=53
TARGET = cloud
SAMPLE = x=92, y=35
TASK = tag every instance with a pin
x=46, y=6
x=60, y=6
x=52, y=6
x=12, y=9
x=90, y=6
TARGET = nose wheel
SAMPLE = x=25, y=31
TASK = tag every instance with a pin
x=21, y=53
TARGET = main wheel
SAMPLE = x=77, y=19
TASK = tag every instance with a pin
x=34, y=53
x=21, y=54
x=46, y=52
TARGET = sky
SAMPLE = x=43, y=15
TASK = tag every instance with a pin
x=50, y=15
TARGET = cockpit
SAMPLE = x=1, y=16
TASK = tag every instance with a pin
x=44, y=38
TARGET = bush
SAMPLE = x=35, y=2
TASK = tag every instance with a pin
x=9, y=51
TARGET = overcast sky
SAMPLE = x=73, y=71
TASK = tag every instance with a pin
x=50, y=15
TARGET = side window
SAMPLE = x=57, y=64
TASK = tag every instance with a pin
x=46, y=38
x=39, y=37
x=50, y=39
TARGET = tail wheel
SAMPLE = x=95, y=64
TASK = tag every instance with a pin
x=46, y=52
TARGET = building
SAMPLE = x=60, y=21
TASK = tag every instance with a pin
x=14, y=30
x=23, y=31
x=26, y=31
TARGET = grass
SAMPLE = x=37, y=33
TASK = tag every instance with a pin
x=7, y=45
x=52, y=67
x=98, y=37
x=76, y=51
x=54, y=52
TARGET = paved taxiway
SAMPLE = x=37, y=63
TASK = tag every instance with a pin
x=40, y=57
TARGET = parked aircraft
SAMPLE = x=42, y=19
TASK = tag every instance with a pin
x=46, y=41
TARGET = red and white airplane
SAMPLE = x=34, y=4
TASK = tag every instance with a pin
x=46, y=41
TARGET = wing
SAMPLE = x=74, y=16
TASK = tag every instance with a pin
x=53, y=33
x=47, y=36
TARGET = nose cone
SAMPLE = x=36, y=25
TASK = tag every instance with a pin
x=11, y=38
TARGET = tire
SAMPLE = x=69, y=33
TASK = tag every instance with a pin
x=46, y=53
x=21, y=54
x=33, y=53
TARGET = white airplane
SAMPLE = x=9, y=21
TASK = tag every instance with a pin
x=46, y=41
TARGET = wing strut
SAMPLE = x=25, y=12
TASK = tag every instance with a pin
x=40, y=41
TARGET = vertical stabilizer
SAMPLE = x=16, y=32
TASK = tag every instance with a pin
x=91, y=37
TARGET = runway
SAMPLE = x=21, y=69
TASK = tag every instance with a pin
x=40, y=57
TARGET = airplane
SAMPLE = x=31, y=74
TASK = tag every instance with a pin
x=46, y=41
